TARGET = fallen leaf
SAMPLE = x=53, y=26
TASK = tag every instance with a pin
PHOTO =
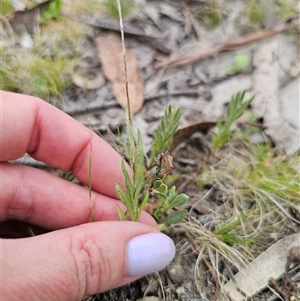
x=111, y=57
x=184, y=133
x=254, y=277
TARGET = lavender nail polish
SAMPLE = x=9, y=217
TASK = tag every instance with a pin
x=148, y=253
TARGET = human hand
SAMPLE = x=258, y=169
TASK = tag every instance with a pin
x=78, y=258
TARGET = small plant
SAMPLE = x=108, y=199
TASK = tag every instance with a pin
x=139, y=187
x=229, y=232
x=6, y=7
x=44, y=69
x=241, y=61
x=164, y=134
x=163, y=199
x=53, y=10
x=135, y=184
x=166, y=199
x=151, y=193
x=49, y=75
x=211, y=14
x=256, y=13
x=235, y=110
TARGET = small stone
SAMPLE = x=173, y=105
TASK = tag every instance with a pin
x=180, y=290
x=176, y=272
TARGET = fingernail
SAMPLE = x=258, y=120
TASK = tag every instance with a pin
x=149, y=253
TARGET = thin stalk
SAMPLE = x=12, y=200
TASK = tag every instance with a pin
x=124, y=60
x=90, y=178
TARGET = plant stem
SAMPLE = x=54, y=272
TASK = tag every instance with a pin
x=124, y=60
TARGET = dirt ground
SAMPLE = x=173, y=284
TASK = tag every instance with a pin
x=195, y=55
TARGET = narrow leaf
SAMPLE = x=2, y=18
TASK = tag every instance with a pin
x=125, y=200
x=122, y=216
x=128, y=183
x=90, y=179
x=144, y=201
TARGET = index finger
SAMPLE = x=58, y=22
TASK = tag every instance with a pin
x=31, y=125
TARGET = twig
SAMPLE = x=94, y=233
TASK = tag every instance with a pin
x=230, y=45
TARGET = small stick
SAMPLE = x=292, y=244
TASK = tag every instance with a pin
x=231, y=45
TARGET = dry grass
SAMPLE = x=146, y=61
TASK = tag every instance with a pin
x=44, y=65
x=258, y=202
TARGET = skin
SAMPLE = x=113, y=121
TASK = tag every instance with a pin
x=77, y=258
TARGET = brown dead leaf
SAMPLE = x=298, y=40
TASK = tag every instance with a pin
x=111, y=57
x=188, y=131
x=164, y=164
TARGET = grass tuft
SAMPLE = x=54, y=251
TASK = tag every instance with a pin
x=257, y=201
x=44, y=67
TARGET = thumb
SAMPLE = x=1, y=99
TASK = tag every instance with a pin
x=74, y=263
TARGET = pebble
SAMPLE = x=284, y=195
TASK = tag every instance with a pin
x=176, y=273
